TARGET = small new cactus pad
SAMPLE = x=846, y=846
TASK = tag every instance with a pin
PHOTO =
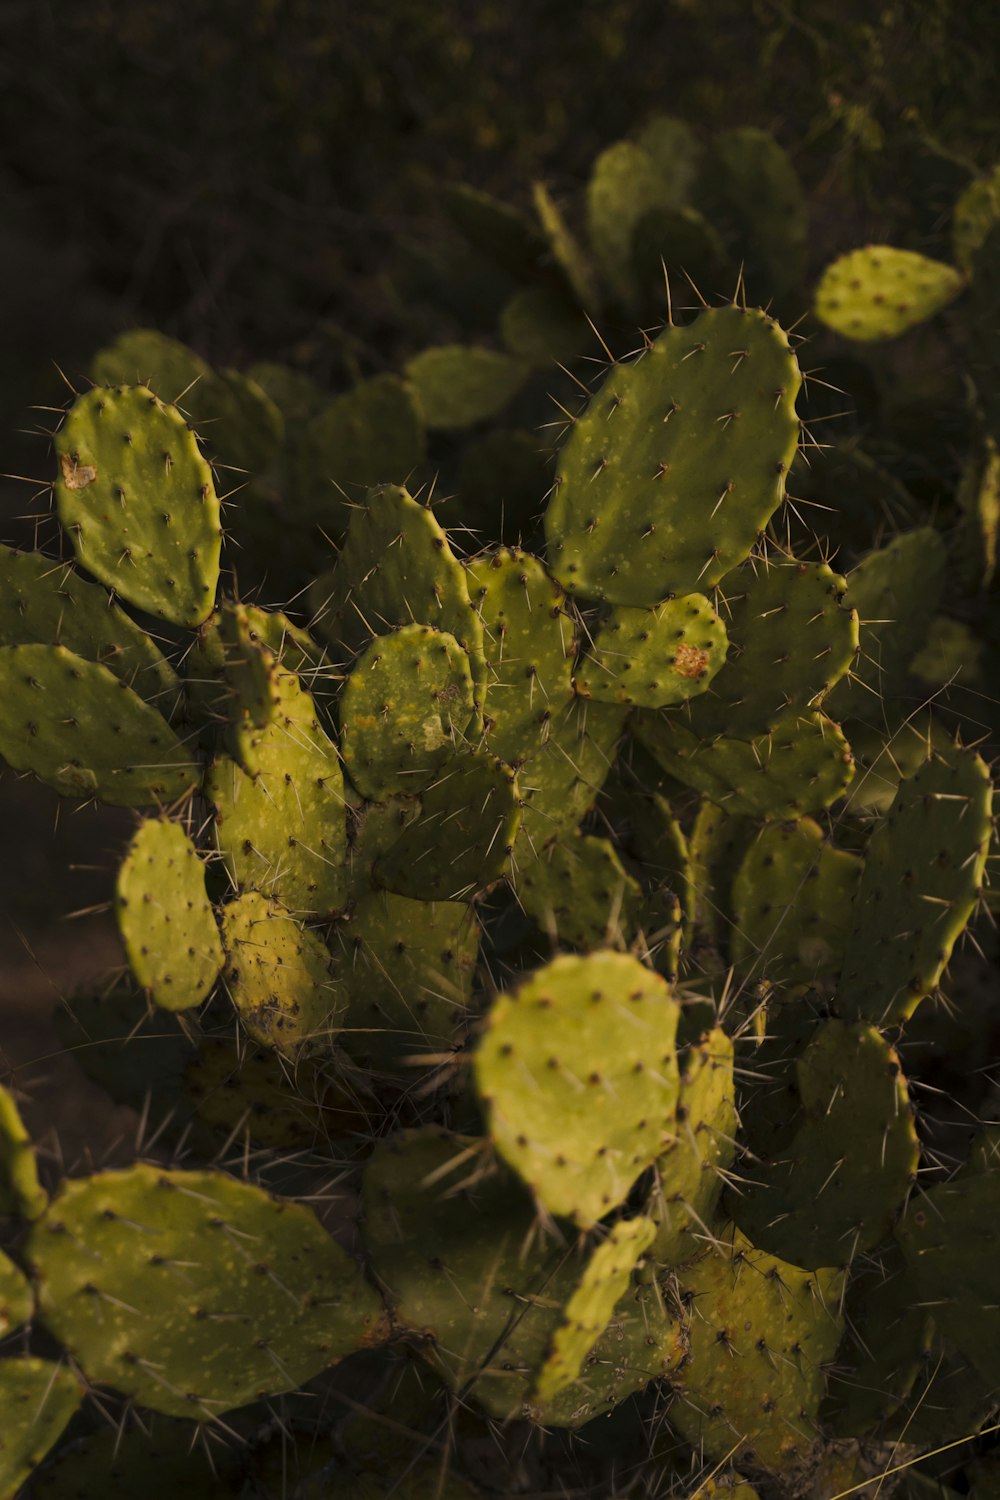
x=283, y=830
x=584, y=1318
x=654, y=658
x=561, y=782
x=164, y=917
x=761, y=1332
x=462, y=839
x=371, y=435
x=881, y=292
x=923, y=870
x=625, y=184
x=407, y=967
x=974, y=215
x=405, y=710
x=16, y=1299
x=678, y=462
x=790, y=641
x=37, y=1398
x=251, y=672
x=792, y=904
x=579, y=892
x=278, y=975
x=692, y=1171
x=837, y=1187
x=458, y=385
x=578, y=1073
x=47, y=602
x=195, y=1293
x=566, y=254
x=803, y=765
x=528, y=642
x=139, y=503
x=21, y=1193
x=85, y=733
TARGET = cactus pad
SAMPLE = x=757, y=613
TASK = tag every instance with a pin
x=625, y=184
x=880, y=292
x=578, y=1073
x=21, y=1194
x=164, y=917
x=748, y=185
x=195, y=1293
x=37, y=1399
x=717, y=844
x=250, y=669
x=692, y=1171
x=86, y=733
x=373, y=434
x=579, y=892
x=458, y=385
x=974, y=215
x=278, y=974
x=139, y=503
x=654, y=658
x=16, y=1300
x=678, y=462
x=562, y=781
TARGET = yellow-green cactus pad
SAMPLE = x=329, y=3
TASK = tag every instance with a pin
x=251, y=672
x=974, y=215
x=881, y=292
x=692, y=1171
x=16, y=1299
x=458, y=385
x=654, y=658
x=580, y=893
x=37, y=1398
x=717, y=843
x=560, y=784
x=21, y=1193
x=278, y=975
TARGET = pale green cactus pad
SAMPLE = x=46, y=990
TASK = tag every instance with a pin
x=406, y=708
x=16, y=1298
x=838, y=1186
x=139, y=502
x=579, y=892
x=21, y=1194
x=678, y=462
x=923, y=871
x=37, y=1398
x=47, y=602
x=578, y=1073
x=457, y=385
x=654, y=658
x=164, y=917
x=693, y=1170
x=881, y=292
x=85, y=733
x=146, y=1276
x=278, y=975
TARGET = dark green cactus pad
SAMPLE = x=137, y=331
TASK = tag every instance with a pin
x=502, y=482
x=560, y=784
x=462, y=839
x=578, y=1073
x=678, y=462
x=647, y=829
x=85, y=733
x=528, y=642
x=37, y=1398
x=278, y=975
x=748, y=185
x=284, y=830
x=676, y=149
x=139, y=503
x=974, y=214
x=946, y=1402
x=405, y=710
x=374, y=828
x=654, y=658
x=686, y=244
x=565, y=253
x=717, y=845
x=880, y=292
x=541, y=325
x=837, y=1188
x=16, y=1299
x=761, y=1332
x=47, y=602
x=579, y=892
x=923, y=869
x=792, y=905
x=791, y=640
x=296, y=395
x=981, y=311
x=887, y=757
x=373, y=434
x=692, y=1171
x=195, y=1293
x=21, y=1194
x=801, y=767
x=458, y=385
x=164, y=917
x=136, y=1053
x=142, y=356
x=494, y=229
x=625, y=184
x=407, y=967
x=243, y=427
x=156, y=1461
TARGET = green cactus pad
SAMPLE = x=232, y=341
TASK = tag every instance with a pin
x=717, y=844
x=278, y=975
x=16, y=1299
x=47, y=602
x=792, y=897
x=528, y=642
x=371, y=435
x=195, y=1293
x=586, y=1315
x=566, y=255
x=678, y=462
x=283, y=831
x=21, y=1194
x=748, y=185
x=541, y=325
x=761, y=1332
x=250, y=669
x=654, y=658
x=625, y=184
x=880, y=292
x=578, y=891
x=838, y=1186
x=649, y=832
x=37, y=1398
x=887, y=757
x=790, y=642
x=923, y=870
x=156, y=1460
x=296, y=395
x=802, y=766
x=578, y=1073
x=405, y=710
x=137, y=498
x=164, y=917
x=142, y=356
x=973, y=216
x=980, y=316
x=407, y=967
x=458, y=385
x=135, y=1053
x=692, y=1171
x=85, y=733
x=561, y=783
x=462, y=839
